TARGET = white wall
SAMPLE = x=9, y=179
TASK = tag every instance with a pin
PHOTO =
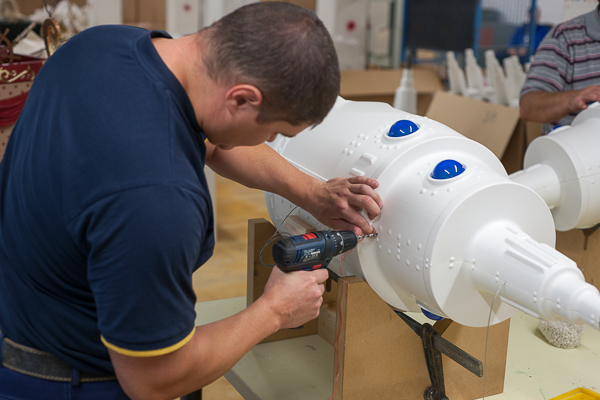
x=573, y=8
x=102, y=12
x=552, y=11
x=183, y=17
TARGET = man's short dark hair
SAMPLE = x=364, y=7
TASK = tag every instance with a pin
x=282, y=49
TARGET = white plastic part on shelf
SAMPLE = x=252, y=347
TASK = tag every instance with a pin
x=515, y=79
x=405, y=97
x=495, y=91
x=449, y=238
x=563, y=168
x=456, y=76
x=474, y=76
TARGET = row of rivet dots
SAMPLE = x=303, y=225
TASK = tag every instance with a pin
x=591, y=171
x=383, y=131
x=355, y=144
x=398, y=250
x=535, y=293
x=479, y=173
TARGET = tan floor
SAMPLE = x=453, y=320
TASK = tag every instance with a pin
x=224, y=275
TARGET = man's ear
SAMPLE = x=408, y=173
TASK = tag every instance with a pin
x=242, y=97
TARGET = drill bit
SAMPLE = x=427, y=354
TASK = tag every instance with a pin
x=372, y=235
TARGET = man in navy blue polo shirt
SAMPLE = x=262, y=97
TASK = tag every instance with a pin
x=105, y=212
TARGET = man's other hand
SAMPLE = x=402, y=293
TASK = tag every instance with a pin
x=581, y=98
x=338, y=202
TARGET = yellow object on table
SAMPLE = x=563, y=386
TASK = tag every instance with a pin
x=578, y=394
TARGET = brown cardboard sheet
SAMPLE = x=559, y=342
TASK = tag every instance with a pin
x=489, y=124
x=380, y=357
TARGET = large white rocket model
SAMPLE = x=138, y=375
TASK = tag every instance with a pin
x=454, y=232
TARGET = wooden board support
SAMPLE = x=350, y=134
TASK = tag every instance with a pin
x=377, y=355
x=380, y=357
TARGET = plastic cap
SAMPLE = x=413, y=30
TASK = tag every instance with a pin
x=403, y=127
x=431, y=315
x=447, y=169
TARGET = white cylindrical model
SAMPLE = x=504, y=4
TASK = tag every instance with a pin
x=454, y=230
x=563, y=167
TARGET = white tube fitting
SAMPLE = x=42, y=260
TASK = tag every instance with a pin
x=543, y=180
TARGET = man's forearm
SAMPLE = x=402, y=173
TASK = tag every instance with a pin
x=213, y=350
x=289, y=300
x=545, y=107
x=334, y=203
x=260, y=167
x=550, y=107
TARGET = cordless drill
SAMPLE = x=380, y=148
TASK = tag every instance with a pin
x=313, y=250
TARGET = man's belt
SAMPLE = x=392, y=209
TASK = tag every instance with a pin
x=40, y=364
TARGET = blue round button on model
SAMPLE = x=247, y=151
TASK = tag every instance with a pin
x=447, y=169
x=555, y=127
x=402, y=128
x=431, y=315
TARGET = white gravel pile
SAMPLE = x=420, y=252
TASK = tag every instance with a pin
x=563, y=334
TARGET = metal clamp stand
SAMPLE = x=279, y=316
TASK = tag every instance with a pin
x=433, y=358
x=434, y=345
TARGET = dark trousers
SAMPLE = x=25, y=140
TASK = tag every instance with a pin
x=16, y=386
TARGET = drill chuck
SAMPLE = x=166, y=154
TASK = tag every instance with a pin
x=312, y=250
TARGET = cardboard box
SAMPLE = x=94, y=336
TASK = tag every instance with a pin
x=495, y=126
x=532, y=130
x=152, y=14
x=380, y=85
x=131, y=11
x=586, y=253
x=149, y=14
x=27, y=7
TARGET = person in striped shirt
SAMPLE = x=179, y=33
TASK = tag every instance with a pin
x=564, y=76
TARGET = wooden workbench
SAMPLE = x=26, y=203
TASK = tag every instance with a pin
x=302, y=368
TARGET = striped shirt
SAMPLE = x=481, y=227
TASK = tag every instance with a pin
x=568, y=59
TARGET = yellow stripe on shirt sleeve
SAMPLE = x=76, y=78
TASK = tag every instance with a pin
x=149, y=353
